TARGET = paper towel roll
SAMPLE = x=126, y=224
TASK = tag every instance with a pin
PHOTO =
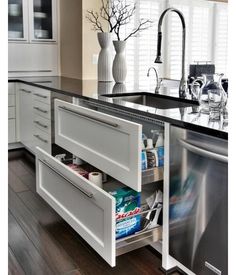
x=96, y=178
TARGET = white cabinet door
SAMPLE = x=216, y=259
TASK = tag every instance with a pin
x=26, y=115
x=17, y=20
x=86, y=207
x=43, y=20
x=11, y=130
x=111, y=144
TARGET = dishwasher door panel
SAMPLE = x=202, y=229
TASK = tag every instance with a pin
x=198, y=222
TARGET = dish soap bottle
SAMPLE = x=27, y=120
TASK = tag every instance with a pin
x=160, y=149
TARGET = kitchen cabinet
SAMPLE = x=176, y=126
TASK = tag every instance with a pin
x=25, y=115
x=32, y=20
x=34, y=118
x=11, y=113
x=112, y=145
x=32, y=36
x=18, y=20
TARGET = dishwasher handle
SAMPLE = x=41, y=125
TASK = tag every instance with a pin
x=203, y=152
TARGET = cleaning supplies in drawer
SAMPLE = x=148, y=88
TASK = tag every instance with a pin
x=128, y=203
x=79, y=170
x=160, y=149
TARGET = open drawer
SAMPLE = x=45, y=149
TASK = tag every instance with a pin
x=111, y=144
x=87, y=208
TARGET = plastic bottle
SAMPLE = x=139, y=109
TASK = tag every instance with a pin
x=160, y=149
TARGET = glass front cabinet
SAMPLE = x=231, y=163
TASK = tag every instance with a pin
x=17, y=20
x=32, y=20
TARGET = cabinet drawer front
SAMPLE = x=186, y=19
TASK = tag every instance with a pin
x=11, y=112
x=41, y=95
x=11, y=130
x=42, y=140
x=11, y=100
x=42, y=123
x=11, y=88
x=111, y=144
x=42, y=109
x=87, y=208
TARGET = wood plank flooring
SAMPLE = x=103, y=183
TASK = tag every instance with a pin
x=41, y=242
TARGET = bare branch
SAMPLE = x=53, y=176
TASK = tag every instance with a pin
x=93, y=17
x=117, y=13
x=143, y=25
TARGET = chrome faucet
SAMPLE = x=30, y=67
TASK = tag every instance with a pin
x=183, y=87
x=158, y=82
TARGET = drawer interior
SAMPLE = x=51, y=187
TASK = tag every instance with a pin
x=149, y=231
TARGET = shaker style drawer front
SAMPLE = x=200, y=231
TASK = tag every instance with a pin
x=41, y=95
x=42, y=109
x=87, y=208
x=42, y=123
x=111, y=144
x=11, y=100
x=42, y=140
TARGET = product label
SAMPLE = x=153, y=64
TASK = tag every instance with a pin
x=160, y=151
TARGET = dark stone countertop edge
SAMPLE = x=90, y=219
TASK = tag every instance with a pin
x=182, y=124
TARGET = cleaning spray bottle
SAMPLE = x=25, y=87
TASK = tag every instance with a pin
x=160, y=149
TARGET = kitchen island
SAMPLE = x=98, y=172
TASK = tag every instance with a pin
x=88, y=123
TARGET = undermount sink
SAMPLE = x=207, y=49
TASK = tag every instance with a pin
x=154, y=100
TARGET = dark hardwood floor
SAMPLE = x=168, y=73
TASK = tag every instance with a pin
x=40, y=242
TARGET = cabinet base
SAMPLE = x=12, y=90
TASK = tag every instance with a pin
x=173, y=270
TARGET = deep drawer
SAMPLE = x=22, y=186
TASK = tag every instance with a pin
x=87, y=208
x=111, y=144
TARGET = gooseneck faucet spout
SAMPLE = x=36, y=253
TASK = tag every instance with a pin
x=158, y=82
x=183, y=87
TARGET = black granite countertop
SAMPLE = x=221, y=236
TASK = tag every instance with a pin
x=188, y=117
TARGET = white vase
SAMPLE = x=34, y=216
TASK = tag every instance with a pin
x=105, y=57
x=119, y=68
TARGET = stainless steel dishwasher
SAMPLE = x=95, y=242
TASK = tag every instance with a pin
x=198, y=207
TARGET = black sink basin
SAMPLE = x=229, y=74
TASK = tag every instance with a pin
x=154, y=100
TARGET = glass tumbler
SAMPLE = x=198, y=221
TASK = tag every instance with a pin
x=215, y=103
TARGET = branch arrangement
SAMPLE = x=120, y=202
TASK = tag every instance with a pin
x=117, y=13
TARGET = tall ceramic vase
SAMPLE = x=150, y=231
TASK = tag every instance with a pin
x=119, y=68
x=105, y=57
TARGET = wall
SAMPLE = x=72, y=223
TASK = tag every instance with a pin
x=78, y=41
x=90, y=42
x=71, y=38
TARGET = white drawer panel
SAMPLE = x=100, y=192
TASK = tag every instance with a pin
x=42, y=140
x=42, y=109
x=11, y=112
x=11, y=130
x=11, y=100
x=42, y=123
x=111, y=144
x=41, y=95
x=87, y=208
x=11, y=88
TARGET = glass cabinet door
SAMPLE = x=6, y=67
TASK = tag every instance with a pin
x=17, y=20
x=43, y=27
